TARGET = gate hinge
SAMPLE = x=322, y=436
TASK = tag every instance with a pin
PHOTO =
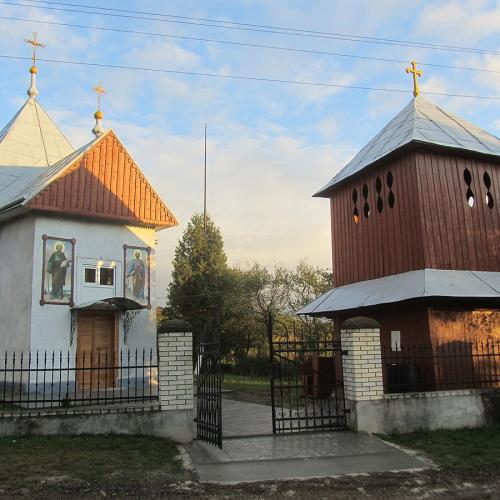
x=345, y=352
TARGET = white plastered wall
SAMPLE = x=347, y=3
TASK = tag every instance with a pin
x=16, y=251
x=51, y=324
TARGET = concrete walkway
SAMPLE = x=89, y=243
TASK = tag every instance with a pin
x=269, y=457
x=245, y=419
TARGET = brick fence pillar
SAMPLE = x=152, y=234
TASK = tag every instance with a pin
x=362, y=367
x=175, y=365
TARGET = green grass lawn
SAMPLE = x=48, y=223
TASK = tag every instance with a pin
x=245, y=382
x=460, y=450
x=28, y=460
x=247, y=388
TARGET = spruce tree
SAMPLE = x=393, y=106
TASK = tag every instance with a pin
x=200, y=277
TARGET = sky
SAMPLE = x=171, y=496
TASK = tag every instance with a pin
x=270, y=145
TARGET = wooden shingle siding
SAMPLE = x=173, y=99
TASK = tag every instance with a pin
x=105, y=183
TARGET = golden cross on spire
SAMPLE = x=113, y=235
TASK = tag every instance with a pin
x=99, y=90
x=416, y=73
x=35, y=43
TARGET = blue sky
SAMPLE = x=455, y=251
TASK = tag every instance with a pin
x=270, y=145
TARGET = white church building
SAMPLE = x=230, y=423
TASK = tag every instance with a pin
x=77, y=235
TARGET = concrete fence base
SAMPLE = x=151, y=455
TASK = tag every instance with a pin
x=173, y=419
x=370, y=410
x=173, y=424
x=400, y=413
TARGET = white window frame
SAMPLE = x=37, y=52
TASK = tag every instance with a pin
x=395, y=340
x=98, y=268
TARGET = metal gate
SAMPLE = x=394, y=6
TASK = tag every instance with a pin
x=307, y=390
x=208, y=391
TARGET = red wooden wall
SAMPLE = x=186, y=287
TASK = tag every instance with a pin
x=386, y=242
x=430, y=225
x=105, y=183
x=456, y=235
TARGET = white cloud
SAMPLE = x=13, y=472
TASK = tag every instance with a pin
x=163, y=53
x=259, y=192
x=460, y=22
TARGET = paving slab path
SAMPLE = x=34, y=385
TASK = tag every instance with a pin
x=245, y=419
x=297, y=456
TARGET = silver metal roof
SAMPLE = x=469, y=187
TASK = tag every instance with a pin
x=23, y=183
x=420, y=121
x=13, y=181
x=411, y=285
x=31, y=139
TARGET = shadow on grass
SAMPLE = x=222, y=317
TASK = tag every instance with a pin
x=104, y=459
x=459, y=450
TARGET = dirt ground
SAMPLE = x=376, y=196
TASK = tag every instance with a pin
x=427, y=484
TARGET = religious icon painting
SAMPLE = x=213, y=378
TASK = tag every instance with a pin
x=57, y=270
x=137, y=275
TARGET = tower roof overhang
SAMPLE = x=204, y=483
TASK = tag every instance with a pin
x=422, y=284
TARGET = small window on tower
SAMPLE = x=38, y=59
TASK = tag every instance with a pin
x=469, y=194
x=390, y=182
x=489, y=196
x=106, y=276
x=90, y=275
x=395, y=340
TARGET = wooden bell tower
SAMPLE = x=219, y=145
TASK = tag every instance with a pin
x=415, y=219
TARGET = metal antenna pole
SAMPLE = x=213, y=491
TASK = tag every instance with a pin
x=205, y=186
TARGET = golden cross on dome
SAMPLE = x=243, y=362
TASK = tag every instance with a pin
x=99, y=90
x=35, y=43
x=416, y=73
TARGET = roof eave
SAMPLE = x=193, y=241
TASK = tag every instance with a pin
x=12, y=211
x=412, y=145
x=326, y=191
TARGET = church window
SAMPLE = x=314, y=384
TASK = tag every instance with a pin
x=106, y=276
x=469, y=194
x=380, y=204
x=355, y=212
x=90, y=274
x=395, y=340
x=489, y=200
x=470, y=197
x=390, y=181
x=366, y=206
x=100, y=276
x=378, y=188
x=355, y=215
x=391, y=199
x=489, y=196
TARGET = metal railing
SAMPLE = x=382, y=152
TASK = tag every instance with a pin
x=445, y=366
x=64, y=382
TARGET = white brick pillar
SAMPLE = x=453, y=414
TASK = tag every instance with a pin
x=175, y=365
x=362, y=365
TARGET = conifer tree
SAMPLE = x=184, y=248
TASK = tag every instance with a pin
x=200, y=277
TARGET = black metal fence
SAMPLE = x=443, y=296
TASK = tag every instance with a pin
x=307, y=390
x=209, y=390
x=63, y=382
x=445, y=366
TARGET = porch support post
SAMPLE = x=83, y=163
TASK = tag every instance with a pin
x=175, y=365
x=362, y=365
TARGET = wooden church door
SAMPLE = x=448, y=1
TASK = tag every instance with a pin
x=97, y=357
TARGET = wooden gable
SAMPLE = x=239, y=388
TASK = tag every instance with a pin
x=105, y=183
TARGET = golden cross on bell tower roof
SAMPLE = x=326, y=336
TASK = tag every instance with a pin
x=416, y=74
x=35, y=43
